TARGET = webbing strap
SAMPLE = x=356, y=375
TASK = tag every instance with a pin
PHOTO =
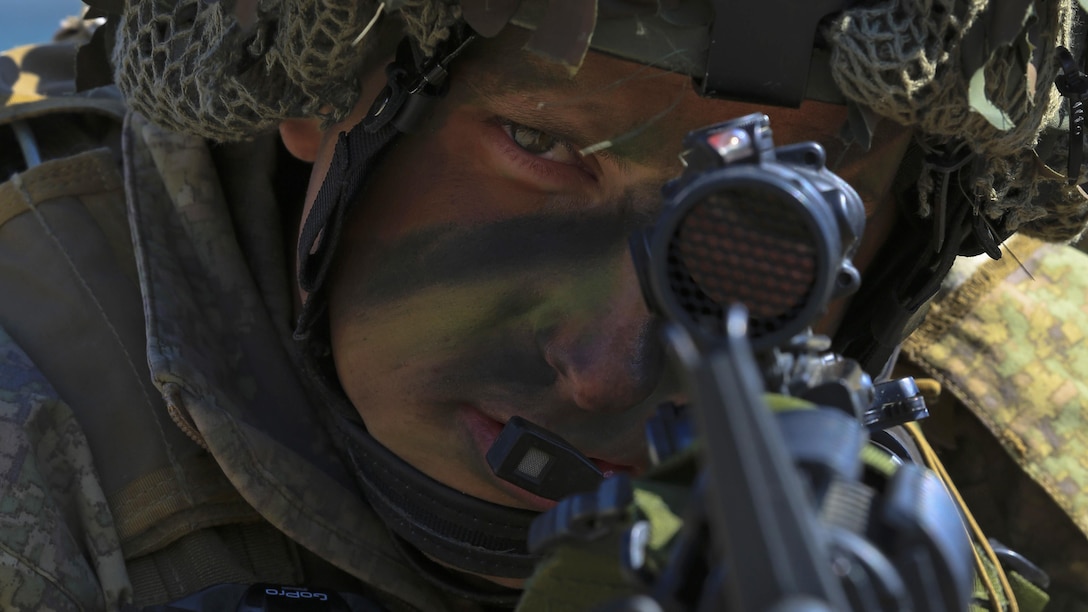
x=465, y=532
x=91, y=172
x=357, y=154
x=155, y=510
x=239, y=553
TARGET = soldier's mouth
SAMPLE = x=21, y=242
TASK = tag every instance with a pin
x=484, y=430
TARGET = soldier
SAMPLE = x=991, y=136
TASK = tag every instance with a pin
x=224, y=365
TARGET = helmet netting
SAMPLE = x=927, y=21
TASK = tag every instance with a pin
x=429, y=23
x=190, y=66
x=910, y=61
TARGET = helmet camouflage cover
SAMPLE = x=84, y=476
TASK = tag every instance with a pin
x=967, y=75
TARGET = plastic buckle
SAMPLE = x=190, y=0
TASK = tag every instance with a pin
x=895, y=402
x=412, y=88
x=946, y=162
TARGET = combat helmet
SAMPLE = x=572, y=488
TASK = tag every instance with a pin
x=972, y=80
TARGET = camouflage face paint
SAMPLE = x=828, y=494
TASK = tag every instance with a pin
x=533, y=244
x=485, y=277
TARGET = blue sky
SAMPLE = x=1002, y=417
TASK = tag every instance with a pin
x=28, y=21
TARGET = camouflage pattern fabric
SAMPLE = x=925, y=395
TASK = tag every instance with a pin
x=59, y=546
x=59, y=549
x=1008, y=345
x=221, y=355
x=155, y=437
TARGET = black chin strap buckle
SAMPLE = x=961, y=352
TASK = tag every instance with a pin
x=414, y=84
x=986, y=237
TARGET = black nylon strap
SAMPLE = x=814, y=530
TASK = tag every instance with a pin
x=355, y=157
x=357, y=154
x=413, y=85
x=493, y=597
x=898, y=285
x=465, y=532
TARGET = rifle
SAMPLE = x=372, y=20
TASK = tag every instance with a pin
x=765, y=526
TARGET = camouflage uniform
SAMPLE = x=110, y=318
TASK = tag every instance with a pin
x=155, y=436
x=1009, y=345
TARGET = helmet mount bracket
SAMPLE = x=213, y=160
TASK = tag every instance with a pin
x=413, y=85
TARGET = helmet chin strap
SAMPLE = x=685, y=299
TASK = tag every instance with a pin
x=453, y=528
x=356, y=155
x=432, y=521
x=447, y=525
x=412, y=87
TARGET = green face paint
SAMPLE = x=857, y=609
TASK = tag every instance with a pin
x=485, y=276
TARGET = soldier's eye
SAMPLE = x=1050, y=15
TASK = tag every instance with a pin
x=541, y=144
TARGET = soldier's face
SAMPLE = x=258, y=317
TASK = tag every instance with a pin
x=485, y=273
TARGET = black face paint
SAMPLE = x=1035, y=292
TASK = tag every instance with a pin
x=500, y=290
x=516, y=366
x=450, y=255
x=478, y=304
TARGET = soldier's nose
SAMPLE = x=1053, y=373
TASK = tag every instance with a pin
x=610, y=358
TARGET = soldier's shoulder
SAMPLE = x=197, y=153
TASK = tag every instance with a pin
x=58, y=547
x=1010, y=344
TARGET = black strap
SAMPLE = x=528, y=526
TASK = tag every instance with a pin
x=465, y=532
x=352, y=162
x=413, y=84
x=357, y=154
x=491, y=597
x=898, y=285
x=1072, y=83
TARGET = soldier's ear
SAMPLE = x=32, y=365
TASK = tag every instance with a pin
x=302, y=137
